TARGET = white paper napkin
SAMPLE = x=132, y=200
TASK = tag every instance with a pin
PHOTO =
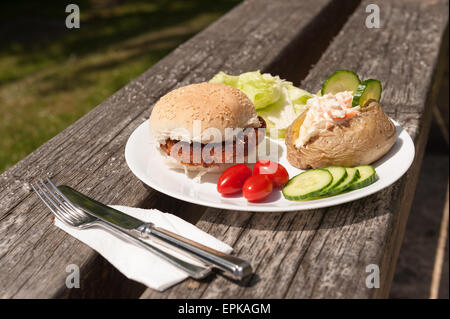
x=137, y=263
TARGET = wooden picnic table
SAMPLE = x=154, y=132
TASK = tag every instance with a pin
x=321, y=253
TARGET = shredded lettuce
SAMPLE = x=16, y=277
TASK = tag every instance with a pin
x=278, y=101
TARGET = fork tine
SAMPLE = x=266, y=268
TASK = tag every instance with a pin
x=42, y=199
x=65, y=201
x=64, y=218
x=48, y=202
x=75, y=216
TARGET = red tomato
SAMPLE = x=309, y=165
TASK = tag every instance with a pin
x=275, y=171
x=231, y=181
x=257, y=188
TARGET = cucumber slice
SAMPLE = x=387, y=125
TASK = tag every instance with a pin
x=368, y=90
x=339, y=173
x=367, y=177
x=307, y=184
x=352, y=176
x=339, y=81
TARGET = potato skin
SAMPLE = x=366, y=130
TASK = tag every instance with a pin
x=359, y=141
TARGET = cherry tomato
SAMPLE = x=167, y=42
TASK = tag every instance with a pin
x=257, y=188
x=275, y=171
x=231, y=181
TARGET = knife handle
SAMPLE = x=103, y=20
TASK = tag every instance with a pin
x=234, y=266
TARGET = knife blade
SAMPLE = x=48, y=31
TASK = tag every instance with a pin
x=100, y=210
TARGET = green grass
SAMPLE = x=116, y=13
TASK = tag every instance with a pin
x=50, y=75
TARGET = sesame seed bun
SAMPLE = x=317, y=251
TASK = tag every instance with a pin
x=187, y=113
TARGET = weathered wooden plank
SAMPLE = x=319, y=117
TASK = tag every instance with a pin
x=89, y=155
x=324, y=253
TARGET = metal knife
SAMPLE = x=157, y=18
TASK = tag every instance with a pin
x=234, y=266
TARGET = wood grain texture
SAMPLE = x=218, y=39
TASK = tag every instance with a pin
x=324, y=253
x=89, y=155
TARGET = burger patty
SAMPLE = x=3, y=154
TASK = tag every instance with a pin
x=194, y=156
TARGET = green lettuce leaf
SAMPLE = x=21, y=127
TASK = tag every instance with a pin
x=260, y=89
x=222, y=77
x=278, y=101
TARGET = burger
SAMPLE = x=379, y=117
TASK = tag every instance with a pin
x=205, y=127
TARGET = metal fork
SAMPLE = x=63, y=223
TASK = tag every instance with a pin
x=69, y=214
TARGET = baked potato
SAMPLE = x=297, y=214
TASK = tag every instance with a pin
x=360, y=140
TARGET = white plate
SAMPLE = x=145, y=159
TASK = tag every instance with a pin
x=146, y=163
